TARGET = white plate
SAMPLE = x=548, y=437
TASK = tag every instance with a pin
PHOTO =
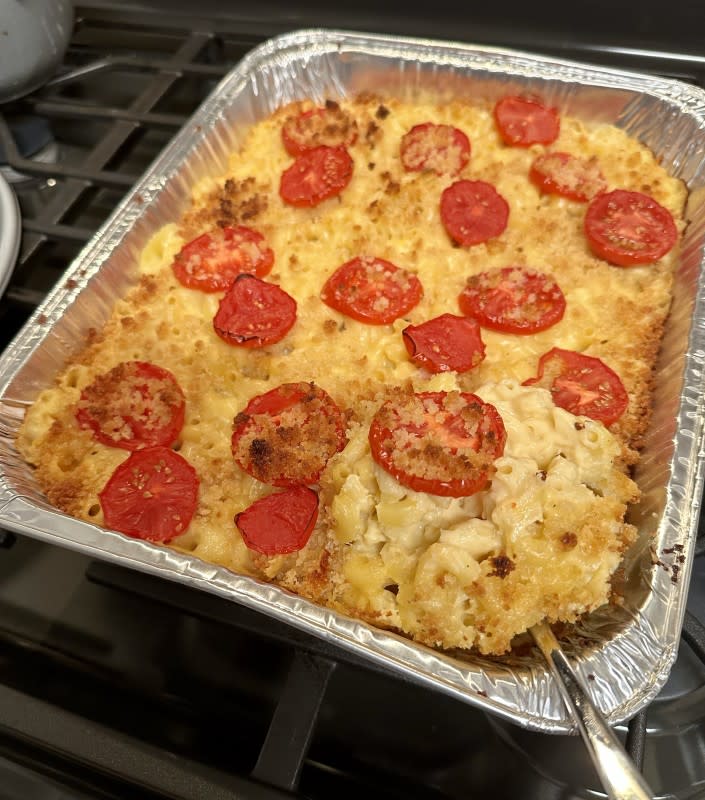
x=9, y=232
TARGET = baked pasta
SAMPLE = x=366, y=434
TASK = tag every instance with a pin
x=396, y=359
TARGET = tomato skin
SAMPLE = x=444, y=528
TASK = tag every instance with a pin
x=212, y=261
x=315, y=176
x=254, y=313
x=280, y=523
x=152, y=495
x=120, y=406
x=286, y=436
x=446, y=343
x=473, y=212
x=523, y=121
x=568, y=176
x=426, y=434
x=329, y=126
x=513, y=300
x=372, y=290
x=583, y=385
x=629, y=228
x=442, y=149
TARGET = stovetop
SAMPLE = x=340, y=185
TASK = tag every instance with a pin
x=117, y=684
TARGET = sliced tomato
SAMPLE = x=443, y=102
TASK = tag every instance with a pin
x=329, y=126
x=473, y=212
x=286, y=436
x=513, y=299
x=254, y=313
x=628, y=228
x=442, y=149
x=152, y=495
x=523, y=121
x=372, y=290
x=212, y=261
x=134, y=405
x=582, y=384
x=279, y=523
x=446, y=343
x=569, y=176
x=315, y=176
x=443, y=443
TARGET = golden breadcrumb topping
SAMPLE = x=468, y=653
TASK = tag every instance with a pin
x=543, y=538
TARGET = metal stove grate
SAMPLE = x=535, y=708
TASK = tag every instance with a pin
x=152, y=78
x=63, y=203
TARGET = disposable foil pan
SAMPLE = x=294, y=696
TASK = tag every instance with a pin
x=625, y=653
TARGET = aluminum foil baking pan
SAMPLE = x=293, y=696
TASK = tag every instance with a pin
x=624, y=654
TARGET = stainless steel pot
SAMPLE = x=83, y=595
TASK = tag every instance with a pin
x=34, y=35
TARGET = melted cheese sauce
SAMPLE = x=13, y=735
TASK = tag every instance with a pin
x=544, y=540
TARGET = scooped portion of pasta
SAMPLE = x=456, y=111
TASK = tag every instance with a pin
x=397, y=358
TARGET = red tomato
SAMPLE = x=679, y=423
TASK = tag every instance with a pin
x=254, y=313
x=329, y=126
x=286, y=436
x=628, y=228
x=581, y=384
x=279, y=523
x=473, y=212
x=524, y=121
x=212, y=261
x=575, y=178
x=152, y=495
x=513, y=299
x=445, y=343
x=134, y=405
x=372, y=290
x=438, y=442
x=438, y=148
x=315, y=176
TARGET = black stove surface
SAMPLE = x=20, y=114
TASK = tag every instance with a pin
x=114, y=684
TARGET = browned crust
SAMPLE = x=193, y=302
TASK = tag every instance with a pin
x=64, y=466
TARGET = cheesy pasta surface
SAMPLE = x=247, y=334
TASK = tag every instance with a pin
x=544, y=538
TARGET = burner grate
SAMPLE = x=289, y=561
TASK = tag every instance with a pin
x=118, y=101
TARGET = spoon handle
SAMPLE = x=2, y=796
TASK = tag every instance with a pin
x=620, y=778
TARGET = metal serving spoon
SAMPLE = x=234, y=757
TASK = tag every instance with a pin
x=620, y=778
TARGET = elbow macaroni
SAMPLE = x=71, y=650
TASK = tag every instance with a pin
x=542, y=541
x=555, y=504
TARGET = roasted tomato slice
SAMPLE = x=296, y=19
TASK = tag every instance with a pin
x=473, y=212
x=372, y=290
x=152, y=495
x=523, y=121
x=134, y=405
x=212, y=261
x=279, y=523
x=315, y=176
x=286, y=436
x=445, y=343
x=628, y=228
x=566, y=175
x=581, y=384
x=442, y=149
x=254, y=313
x=513, y=299
x=443, y=443
x=329, y=126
